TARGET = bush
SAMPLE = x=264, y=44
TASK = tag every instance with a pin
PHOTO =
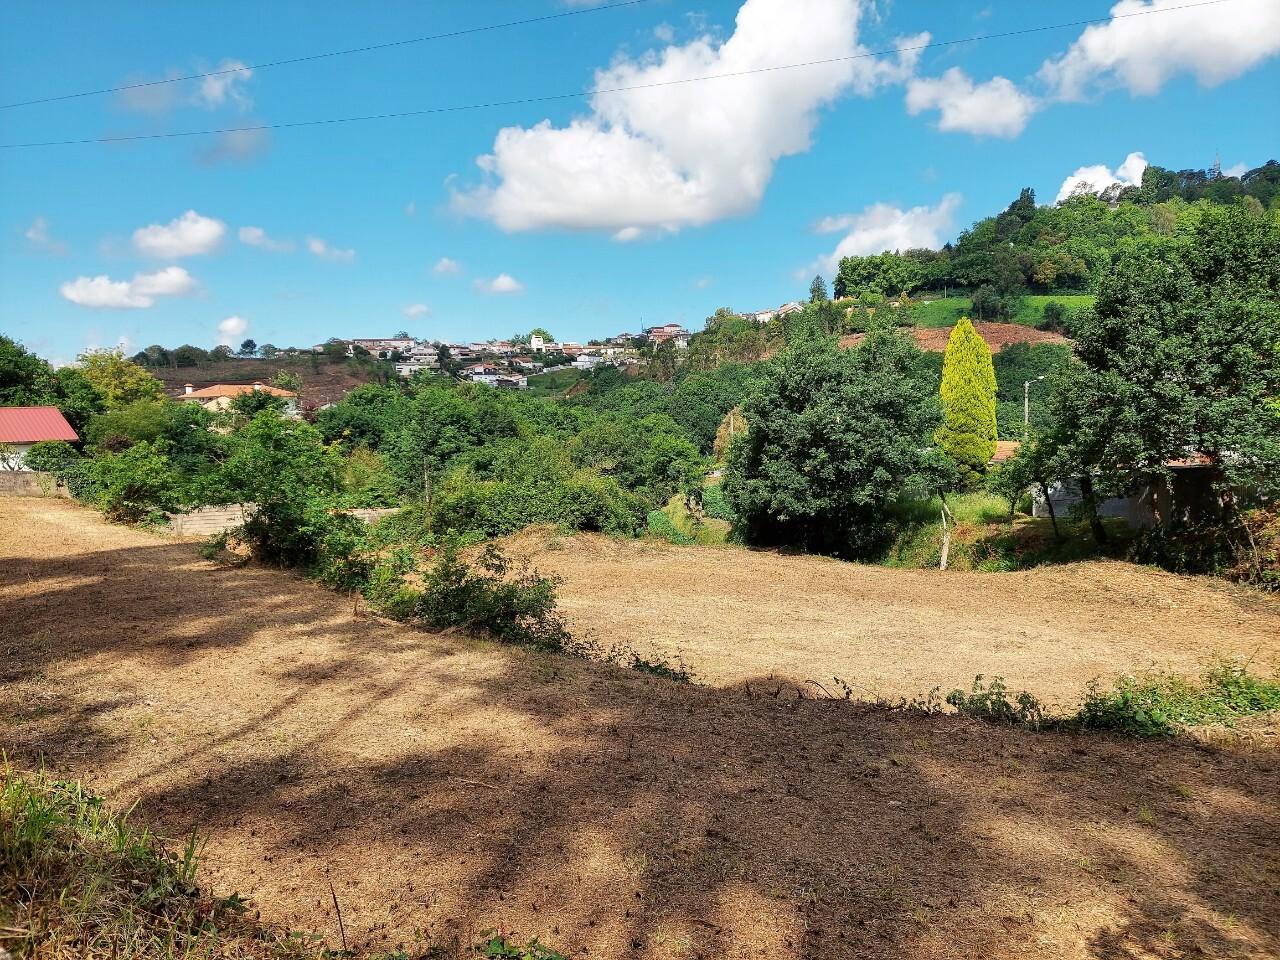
x=716, y=506
x=52, y=456
x=485, y=596
x=992, y=704
x=134, y=485
x=660, y=526
x=1161, y=705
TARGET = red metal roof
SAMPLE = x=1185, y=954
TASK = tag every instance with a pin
x=29, y=424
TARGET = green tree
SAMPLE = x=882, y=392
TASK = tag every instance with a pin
x=25, y=379
x=833, y=438
x=248, y=348
x=288, y=380
x=1179, y=358
x=818, y=290
x=968, y=431
x=118, y=381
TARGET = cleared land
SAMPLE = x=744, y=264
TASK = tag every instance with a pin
x=441, y=781
x=997, y=335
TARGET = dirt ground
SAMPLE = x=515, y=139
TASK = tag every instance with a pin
x=997, y=335
x=732, y=614
x=441, y=782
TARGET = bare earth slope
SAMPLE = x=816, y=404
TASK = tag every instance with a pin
x=439, y=781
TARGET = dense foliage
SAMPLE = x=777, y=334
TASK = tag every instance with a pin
x=833, y=438
x=968, y=431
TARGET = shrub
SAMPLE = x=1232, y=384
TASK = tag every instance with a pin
x=992, y=704
x=483, y=596
x=716, y=506
x=968, y=431
x=52, y=456
x=1160, y=705
x=134, y=485
x=660, y=526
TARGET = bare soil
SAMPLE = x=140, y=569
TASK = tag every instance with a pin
x=997, y=335
x=441, y=782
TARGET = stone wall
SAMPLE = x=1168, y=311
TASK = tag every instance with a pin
x=29, y=483
x=211, y=521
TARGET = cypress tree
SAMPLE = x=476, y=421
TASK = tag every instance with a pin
x=968, y=431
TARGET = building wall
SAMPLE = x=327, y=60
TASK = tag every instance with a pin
x=211, y=521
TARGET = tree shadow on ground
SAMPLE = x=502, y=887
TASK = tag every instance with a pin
x=444, y=784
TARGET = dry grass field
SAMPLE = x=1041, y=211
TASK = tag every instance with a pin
x=443, y=782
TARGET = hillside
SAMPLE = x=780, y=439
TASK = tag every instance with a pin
x=322, y=382
x=997, y=335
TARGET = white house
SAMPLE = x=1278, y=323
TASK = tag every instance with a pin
x=20, y=427
x=217, y=398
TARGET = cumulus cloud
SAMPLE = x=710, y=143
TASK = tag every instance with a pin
x=1215, y=43
x=502, y=283
x=996, y=108
x=186, y=236
x=225, y=84
x=416, y=310
x=446, y=265
x=883, y=227
x=136, y=294
x=1098, y=177
x=258, y=237
x=232, y=329
x=326, y=252
x=1235, y=170
x=38, y=236
x=683, y=154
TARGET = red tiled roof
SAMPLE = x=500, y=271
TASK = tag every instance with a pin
x=234, y=390
x=31, y=424
x=1005, y=450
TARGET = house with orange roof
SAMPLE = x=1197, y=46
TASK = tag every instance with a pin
x=217, y=397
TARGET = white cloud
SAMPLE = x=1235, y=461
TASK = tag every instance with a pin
x=664, y=33
x=38, y=236
x=1097, y=178
x=415, y=310
x=231, y=330
x=1141, y=53
x=258, y=237
x=225, y=84
x=136, y=294
x=1235, y=170
x=411, y=208
x=502, y=283
x=445, y=265
x=702, y=283
x=326, y=252
x=186, y=236
x=883, y=227
x=683, y=154
x=996, y=108
x=628, y=234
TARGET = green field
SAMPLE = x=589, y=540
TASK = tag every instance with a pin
x=945, y=311
x=556, y=381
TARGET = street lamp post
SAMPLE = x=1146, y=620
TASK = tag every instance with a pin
x=1026, y=405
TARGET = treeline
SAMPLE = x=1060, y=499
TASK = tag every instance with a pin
x=1065, y=247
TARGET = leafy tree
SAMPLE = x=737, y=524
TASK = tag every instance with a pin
x=1178, y=358
x=25, y=379
x=283, y=467
x=833, y=439
x=118, y=381
x=542, y=332
x=818, y=290
x=248, y=348
x=189, y=356
x=268, y=351
x=249, y=404
x=968, y=431
x=136, y=484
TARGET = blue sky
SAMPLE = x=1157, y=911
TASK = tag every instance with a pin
x=589, y=217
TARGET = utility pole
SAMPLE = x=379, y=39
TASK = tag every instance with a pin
x=1026, y=405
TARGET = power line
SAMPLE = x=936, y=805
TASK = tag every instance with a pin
x=323, y=56
x=521, y=101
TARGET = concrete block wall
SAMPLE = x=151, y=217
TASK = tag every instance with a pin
x=30, y=483
x=211, y=521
